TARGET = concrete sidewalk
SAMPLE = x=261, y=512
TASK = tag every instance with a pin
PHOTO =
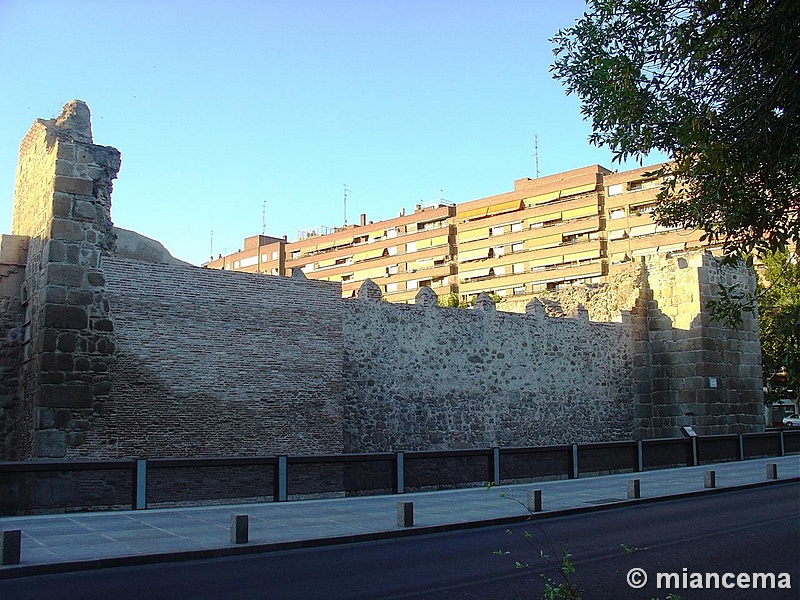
x=75, y=541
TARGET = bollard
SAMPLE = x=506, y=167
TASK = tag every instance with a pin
x=710, y=479
x=405, y=514
x=772, y=471
x=634, y=488
x=239, y=529
x=10, y=547
x=534, y=501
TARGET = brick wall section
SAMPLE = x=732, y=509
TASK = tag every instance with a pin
x=216, y=363
x=62, y=202
x=442, y=378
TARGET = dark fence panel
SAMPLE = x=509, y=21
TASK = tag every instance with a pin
x=375, y=474
x=443, y=470
x=58, y=486
x=528, y=464
x=665, y=453
x=718, y=448
x=607, y=458
x=187, y=482
x=791, y=441
x=762, y=444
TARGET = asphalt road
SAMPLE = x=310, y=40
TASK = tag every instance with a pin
x=749, y=531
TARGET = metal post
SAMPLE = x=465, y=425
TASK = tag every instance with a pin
x=574, y=461
x=741, y=447
x=694, y=451
x=496, y=465
x=400, y=482
x=639, y=456
x=783, y=445
x=282, y=487
x=140, y=485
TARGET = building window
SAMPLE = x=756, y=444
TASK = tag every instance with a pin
x=499, y=230
x=390, y=287
x=275, y=255
x=412, y=284
x=391, y=270
x=617, y=214
x=516, y=227
x=615, y=190
x=517, y=247
x=411, y=247
x=519, y=268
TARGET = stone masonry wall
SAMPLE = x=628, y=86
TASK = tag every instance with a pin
x=13, y=251
x=62, y=202
x=216, y=363
x=425, y=378
x=693, y=370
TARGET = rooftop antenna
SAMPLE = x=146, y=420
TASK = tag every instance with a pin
x=211, y=249
x=264, y=219
x=536, y=154
x=344, y=185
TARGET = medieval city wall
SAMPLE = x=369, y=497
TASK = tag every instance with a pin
x=125, y=358
x=216, y=363
x=425, y=378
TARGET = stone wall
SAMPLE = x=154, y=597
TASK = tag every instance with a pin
x=680, y=351
x=62, y=202
x=104, y=356
x=425, y=378
x=13, y=253
x=215, y=363
x=693, y=370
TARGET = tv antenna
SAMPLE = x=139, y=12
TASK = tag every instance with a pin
x=344, y=199
x=211, y=248
x=264, y=219
x=536, y=154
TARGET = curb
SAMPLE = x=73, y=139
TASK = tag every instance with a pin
x=11, y=572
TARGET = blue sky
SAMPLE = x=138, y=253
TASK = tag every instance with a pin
x=218, y=107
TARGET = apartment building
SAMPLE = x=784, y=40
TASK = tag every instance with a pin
x=553, y=231
x=401, y=255
x=543, y=234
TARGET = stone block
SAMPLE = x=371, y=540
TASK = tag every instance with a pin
x=534, y=501
x=75, y=395
x=10, y=547
x=51, y=443
x=634, y=488
x=240, y=529
x=710, y=479
x=64, y=274
x=62, y=316
x=73, y=185
x=84, y=210
x=62, y=229
x=405, y=514
x=57, y=361
x=65, y=151
x=772, y=471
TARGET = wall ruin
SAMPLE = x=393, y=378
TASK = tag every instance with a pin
x=118, y=357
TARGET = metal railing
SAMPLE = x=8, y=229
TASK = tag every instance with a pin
x=41, y=486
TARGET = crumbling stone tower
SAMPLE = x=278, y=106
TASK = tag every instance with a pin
x=62, y=203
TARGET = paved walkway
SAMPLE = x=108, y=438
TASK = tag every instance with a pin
x=53, y=543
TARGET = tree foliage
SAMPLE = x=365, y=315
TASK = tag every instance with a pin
x=714, y=84
x=779, y=324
